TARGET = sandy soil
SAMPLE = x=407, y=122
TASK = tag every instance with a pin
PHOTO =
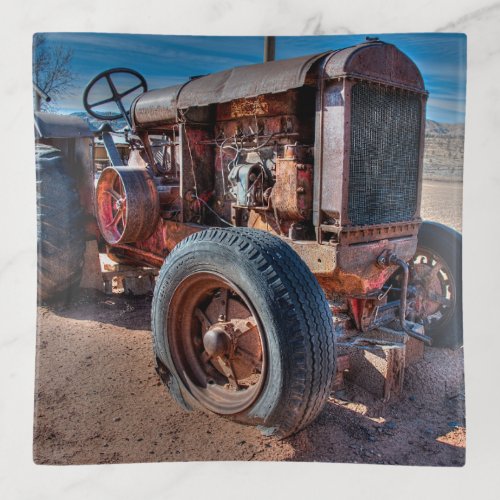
x=442, y=202
x=99, y=400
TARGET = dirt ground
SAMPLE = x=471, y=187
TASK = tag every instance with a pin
x=99, y=400
x=442, y=202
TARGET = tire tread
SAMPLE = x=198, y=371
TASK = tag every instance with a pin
x=310, y=338
x=60, y=232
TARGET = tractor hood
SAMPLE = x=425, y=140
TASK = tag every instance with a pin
x=374, y=60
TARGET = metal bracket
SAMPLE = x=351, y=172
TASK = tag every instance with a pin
x=388, y=259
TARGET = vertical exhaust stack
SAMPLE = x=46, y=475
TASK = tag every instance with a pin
x=269, y=48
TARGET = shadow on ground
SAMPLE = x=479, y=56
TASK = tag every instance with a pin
x=119, y=309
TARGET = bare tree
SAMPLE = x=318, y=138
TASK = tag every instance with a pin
x=52, y=68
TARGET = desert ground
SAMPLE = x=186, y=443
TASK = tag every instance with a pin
x=98, y=398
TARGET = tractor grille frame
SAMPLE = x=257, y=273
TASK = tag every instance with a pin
x=385, y=154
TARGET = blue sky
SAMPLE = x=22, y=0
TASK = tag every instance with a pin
x=167, y=60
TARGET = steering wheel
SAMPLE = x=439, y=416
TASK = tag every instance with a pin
x=116, y=96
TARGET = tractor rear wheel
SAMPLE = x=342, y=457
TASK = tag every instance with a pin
x=60, y=231
x=241, y=328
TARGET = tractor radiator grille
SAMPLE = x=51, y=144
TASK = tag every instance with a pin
x=384, y=157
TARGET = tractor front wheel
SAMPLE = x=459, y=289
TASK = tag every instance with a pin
x=242, y=329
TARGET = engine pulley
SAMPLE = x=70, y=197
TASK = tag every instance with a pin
x=127, y=204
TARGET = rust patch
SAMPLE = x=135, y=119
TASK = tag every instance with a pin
x=284, y=103
x=292, y=194
x=357, y=272
x=262, y=220
x=155, y=249
x=249, y=107
x=174, y=232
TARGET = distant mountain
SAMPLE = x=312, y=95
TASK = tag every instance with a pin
x=443, y=153
x=95, y=124
x=433, y=128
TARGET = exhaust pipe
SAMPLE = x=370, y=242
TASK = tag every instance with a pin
x=269, y=48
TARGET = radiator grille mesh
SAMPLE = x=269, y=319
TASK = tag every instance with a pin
x=384, y=157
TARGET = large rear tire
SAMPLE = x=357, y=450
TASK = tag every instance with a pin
x=61, y=238
x=242, y=328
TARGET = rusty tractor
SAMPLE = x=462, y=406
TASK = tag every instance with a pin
x=281, y=202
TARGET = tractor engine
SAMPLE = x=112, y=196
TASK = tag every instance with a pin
x=324, y=151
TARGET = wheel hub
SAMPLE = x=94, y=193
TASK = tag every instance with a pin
x=217, y=345
x=119, y=204
x=234, y=347
x=216, y=341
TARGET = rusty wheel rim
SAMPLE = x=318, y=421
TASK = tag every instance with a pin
x=111, y=206
x=216, y=343
x=433, y=278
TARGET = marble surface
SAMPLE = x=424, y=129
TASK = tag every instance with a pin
x=21, y=479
